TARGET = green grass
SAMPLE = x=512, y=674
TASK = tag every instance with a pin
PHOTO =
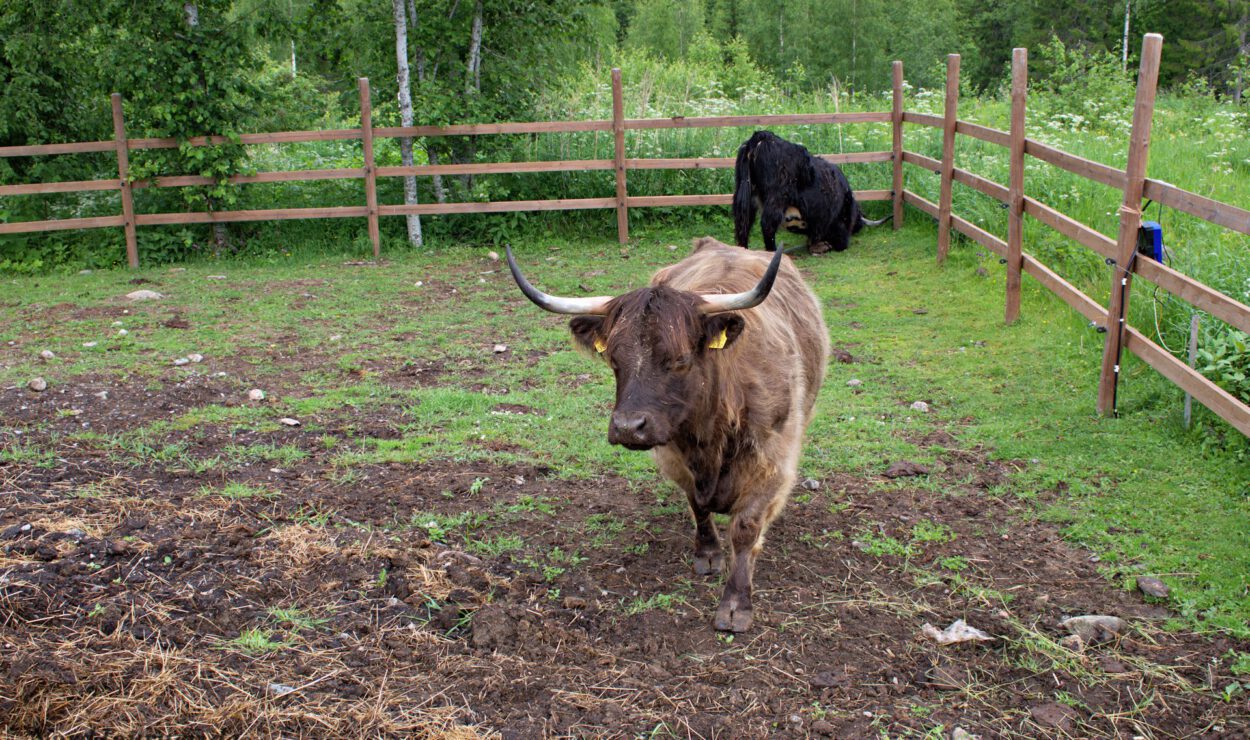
x=235, y=490
x=254, y=641
x=297, y=619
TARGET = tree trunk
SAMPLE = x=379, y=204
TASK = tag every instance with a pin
x=473, y=75
x=405, y=116
x=440, y=193
x=290, y=11
x=1243, y=56
x=1124, y=44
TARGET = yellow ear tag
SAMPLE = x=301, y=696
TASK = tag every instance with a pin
x=719, y=341
x=600, y=346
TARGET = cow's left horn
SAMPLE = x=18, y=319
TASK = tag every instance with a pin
x=596, y=306
x=750, y=299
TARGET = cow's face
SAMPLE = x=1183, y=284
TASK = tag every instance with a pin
x=658, y=343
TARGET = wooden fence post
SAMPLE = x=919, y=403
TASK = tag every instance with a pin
x=948, y=156
x=618, y=133
x=371, y=172
x=1015, y=188
x=896, y=117
x=123, y=172
x=1130, y=221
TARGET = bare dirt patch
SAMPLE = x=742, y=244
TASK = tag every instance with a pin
x=486, y=599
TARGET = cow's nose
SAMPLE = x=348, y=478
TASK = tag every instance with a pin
x=630, y=423
x=629, y=428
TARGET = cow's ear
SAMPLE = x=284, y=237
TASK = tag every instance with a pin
x=588, y=333
x=720, y=330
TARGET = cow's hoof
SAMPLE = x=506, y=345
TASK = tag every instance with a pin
x=819, y=247
x=708, y=564
x=730, y=619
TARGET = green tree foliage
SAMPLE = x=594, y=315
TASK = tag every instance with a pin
x=49, y=91
x=184, y=71
x=666, y=28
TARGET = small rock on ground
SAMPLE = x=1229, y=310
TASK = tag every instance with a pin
x=182, y=361
x=960, y=733
x=920, y=406
x=1152, y=586
x=37, y=384
x=144, y=295
x=811, y=484
x=499, y=349
x=256, y=394
x=854, y=383
x=47, y=354
x=288, y=421
x=195, y=357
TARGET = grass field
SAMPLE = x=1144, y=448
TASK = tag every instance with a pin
x=447, y=543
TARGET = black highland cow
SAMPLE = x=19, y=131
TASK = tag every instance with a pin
x=793, y=190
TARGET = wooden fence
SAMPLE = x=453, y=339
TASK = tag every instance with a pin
x=371, y=210
x=1119, y=252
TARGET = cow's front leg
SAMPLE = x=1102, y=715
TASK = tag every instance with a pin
x=746, y=534
x=708, y=559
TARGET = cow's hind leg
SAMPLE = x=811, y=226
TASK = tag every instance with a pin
x=770, y=220
x=746, y=533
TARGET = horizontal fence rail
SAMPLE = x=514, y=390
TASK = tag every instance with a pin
x=1019, y=262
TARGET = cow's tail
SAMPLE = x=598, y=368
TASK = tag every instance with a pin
x=743, y=203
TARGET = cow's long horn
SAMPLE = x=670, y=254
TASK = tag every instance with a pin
x=750, y=299
x=877, y=222
x=596, y=306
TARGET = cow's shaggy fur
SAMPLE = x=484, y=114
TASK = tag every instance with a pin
x=726, y=425
x=792, y=189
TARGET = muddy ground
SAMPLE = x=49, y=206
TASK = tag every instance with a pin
x=138, y=597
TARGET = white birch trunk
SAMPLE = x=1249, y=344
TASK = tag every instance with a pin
x=473, y=75
x=1242, y=52
x=405, y=116
x=1124, y=42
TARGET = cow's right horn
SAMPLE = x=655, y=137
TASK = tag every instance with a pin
x=717, y=303
x=596, y=306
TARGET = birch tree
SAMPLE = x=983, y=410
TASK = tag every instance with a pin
x=405, y=116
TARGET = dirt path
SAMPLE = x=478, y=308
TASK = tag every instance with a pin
x=146, y=596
